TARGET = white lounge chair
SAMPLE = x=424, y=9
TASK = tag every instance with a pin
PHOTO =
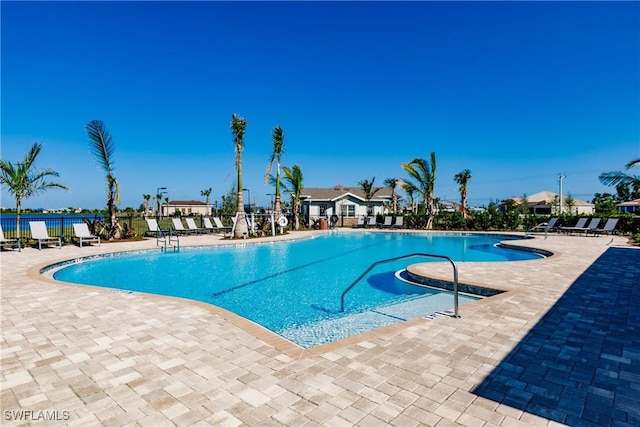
x=220, y=227
x=609, y=227
x=371, y=222
x=191, y=225
x=399, y=222
x=388, y=222
x=83, y=235
x=39, y=232
x=153, y=226
x=360, y=223
x=8, y=242
x=179, y=226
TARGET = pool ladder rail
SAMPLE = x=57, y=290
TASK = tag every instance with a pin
x=167, y=237
x=372, y=266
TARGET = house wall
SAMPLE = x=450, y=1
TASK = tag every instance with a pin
x=186, y=210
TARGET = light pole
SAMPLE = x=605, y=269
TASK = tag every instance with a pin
x=560, y=178
x=158, y=196
x=249, y=191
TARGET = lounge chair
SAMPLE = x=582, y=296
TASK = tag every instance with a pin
x=39, y=232
x=372, y=222
x=8, y=242
x=360, y=223
x=579, y=226
x=220, y=228
x=191, y=225
x=83, y=235
x=592, y=225
x=609, y=227
x=545, y=226
x=154, y=228
x=399, y=222
x=388, y=222
x=179, y=227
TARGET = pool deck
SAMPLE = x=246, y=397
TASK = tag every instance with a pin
x=561, y=346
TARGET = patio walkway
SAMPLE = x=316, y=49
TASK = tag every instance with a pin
x=561, y=346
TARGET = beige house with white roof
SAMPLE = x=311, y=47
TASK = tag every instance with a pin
x=547, y=203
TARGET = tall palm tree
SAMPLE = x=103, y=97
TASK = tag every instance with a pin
x=392, y=183
x=23, y=181
x=293, y=185
x=411, y=190
x=619, y=177
x=276, y=154
x=146, y=198
x=238, y=127
x=206, y=193
x=425, y=176
x=462, y=178
x=102, y=147
x=369, y=191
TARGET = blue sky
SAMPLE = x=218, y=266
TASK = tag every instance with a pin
x=516, y=92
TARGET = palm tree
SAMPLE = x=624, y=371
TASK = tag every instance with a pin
x=411, y=190
x=102, y=147
x=293, y=185
x=276, y=154
x=146, y=198
x=619, y=177
x=238, y=127
x=392, y=183
x=369, y=191
x=462, y=179
x=206, y=193
x=23, y=181
x=425, y=175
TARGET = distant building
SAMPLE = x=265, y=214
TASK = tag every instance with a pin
x=186, y=208
x=346, y=202
x=547, y=203
x=632, y=206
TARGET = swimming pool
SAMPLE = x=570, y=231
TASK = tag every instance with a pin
x=294, y=288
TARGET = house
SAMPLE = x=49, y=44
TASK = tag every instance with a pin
x=547, y=203
x=186, y=208
x=632, y=206
x=348, y=203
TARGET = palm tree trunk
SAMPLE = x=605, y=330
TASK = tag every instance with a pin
x=241, y=229
x=277, y=207
x=18, y=209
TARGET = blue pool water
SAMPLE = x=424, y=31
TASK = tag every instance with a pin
x=294, y=288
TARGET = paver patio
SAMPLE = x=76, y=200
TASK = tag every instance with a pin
x=562, y=345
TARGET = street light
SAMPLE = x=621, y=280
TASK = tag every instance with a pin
x=158, y=195
x=249, y=191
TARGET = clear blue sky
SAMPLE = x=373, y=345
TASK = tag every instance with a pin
x=515, y=92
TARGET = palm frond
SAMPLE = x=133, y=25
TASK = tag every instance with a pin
x=101, y=144
x=632, y=163
x=618, y=177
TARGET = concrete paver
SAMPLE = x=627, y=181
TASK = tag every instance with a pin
x=559, y=346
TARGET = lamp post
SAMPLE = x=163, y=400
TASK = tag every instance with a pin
x=249, y=191
x=158, y=196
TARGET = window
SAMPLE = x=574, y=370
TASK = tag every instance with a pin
x=323, y=210
x=348, y=210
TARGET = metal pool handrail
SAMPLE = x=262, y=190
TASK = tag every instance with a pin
x=372, y=266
